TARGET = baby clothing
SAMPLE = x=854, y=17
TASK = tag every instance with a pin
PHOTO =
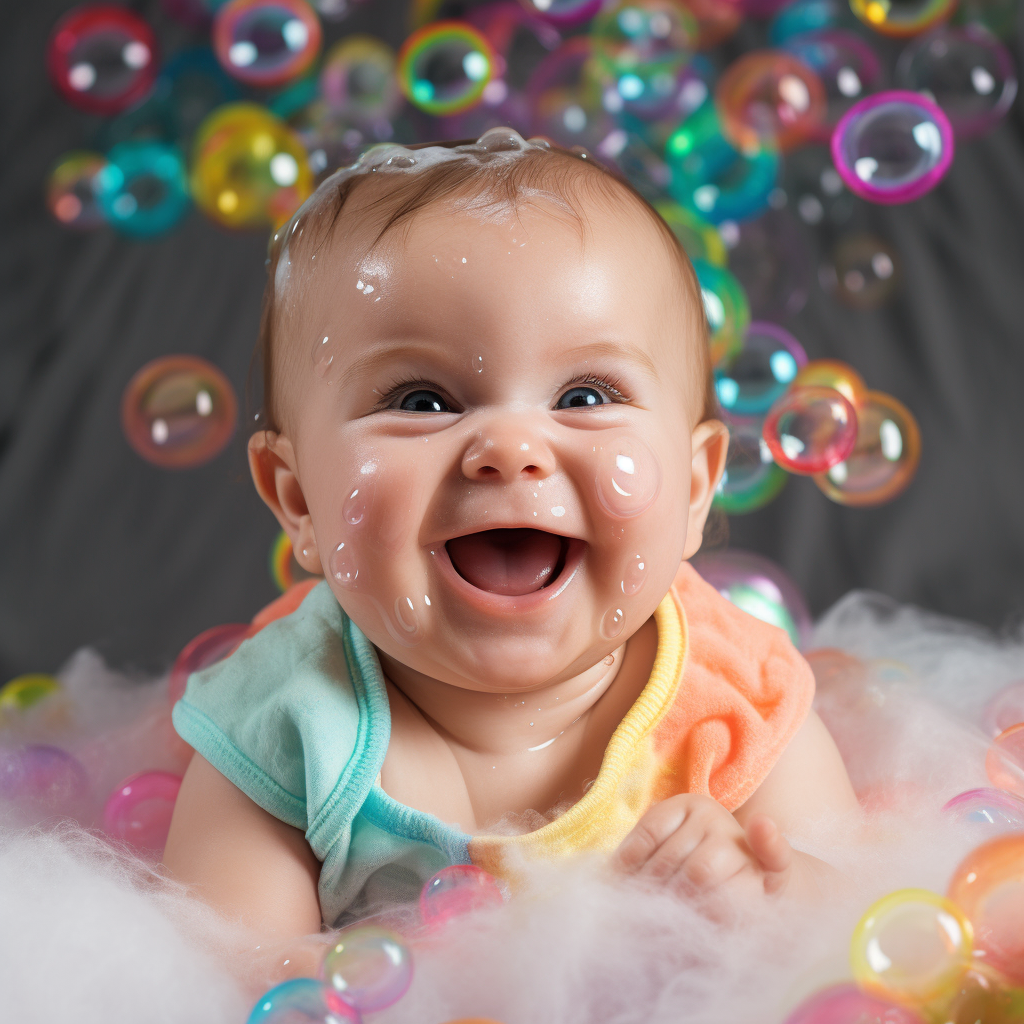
x=298, y=719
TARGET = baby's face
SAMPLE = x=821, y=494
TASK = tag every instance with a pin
x=490, y=427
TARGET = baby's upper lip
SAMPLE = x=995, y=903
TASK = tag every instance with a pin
x=549, y=524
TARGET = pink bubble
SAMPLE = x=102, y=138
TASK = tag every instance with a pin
x=139, y=810
x=204, y=650
x=457, y=890
x=628, y=477
x=810, y=429
x=43, y=778
x=847, y=1004
x=993, y=810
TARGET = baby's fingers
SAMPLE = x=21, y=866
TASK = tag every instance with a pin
x=769, y=846
x=660, y=822
x=712, y=863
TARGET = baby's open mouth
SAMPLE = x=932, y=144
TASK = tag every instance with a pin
x=509, y=562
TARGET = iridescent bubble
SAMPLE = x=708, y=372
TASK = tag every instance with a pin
x=178, y=411
x=445, y=67
x=714, y=179
x=759, y=587
x=716, y=20
x=138, y=811
x=751, y=479
x=143, y=189
x=71, y=190
x=832, y=373
x=102, y=58
x=884, y=459
x=23, y=692
x=847, y=1004
x=266, y=42
x=564, y=13
x=1004, y=762
x=769, y=98
x=902, y=17
x=990, y=811
x=810, y=429
x=988, y=885
x=200, y=652
x=912, y=945
x=803, y=16
x=864, y=272
x=457, y=890
x=1006, y=708
x=749, y=382
x=892, y=147
x=302, y=1001
x=643, y=46
x=248, y=167
x=699, y=239
x=966, y=71
x=726, y=310
x=848, y=68
x=42, y=778
x=358, y=78
x=628, y=477
x=369, y=967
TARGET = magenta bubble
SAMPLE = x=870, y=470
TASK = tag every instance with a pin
x=204, y=650
x=993, y=810
x=892, y=147
x=847, y=1004
x=42, y=777
x=457, y=890
x=1006, y=708
x=139, y=810
x=810, y=429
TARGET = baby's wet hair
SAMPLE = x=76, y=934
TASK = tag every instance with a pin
x=487, y=177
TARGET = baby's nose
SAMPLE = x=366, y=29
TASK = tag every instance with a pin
x=508, y=450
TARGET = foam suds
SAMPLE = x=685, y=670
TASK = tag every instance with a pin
x=93, y=935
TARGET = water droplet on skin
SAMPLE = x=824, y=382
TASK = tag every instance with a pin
x=342, y=566
x=628, y=477
x=477, y=363
x=610, y=660
x=634, y=576
x=323, y=357
x=558, y=511
x=612, y=623
x=355, y=507
x=404, y=625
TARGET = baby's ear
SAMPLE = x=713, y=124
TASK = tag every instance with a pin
x=273, y=467
x=709, y=445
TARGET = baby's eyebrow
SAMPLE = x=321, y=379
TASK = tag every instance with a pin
x=605, y=349
x=387, y=351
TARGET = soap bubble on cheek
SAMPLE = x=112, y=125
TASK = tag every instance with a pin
x=403, y=621
x=628, y=477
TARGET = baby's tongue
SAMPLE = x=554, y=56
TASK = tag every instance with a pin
x=507, y=562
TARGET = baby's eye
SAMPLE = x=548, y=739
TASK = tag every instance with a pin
x=423, y=401
x=581, y=397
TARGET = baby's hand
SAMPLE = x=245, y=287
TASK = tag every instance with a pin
x=695, y=846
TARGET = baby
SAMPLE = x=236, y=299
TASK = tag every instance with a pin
x=489, y=424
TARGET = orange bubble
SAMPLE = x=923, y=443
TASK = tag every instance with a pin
x=832, y=373
x=178, y=411
x=988, y=886
x=1004, y=762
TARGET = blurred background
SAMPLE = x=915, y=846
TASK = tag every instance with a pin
x=138, y=196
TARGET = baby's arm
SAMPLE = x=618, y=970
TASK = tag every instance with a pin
x=695, y=845
x=251, y=867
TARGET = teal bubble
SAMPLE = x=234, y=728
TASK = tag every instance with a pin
x=143, y=190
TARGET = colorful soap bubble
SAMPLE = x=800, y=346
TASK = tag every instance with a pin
x=751, y=478
x=751, y=381
x=207, y=649
x=445, y=67
x=456, y=890
x=714, y=179
x=803, y=16
x=771, y=259
x=847, y=1004
x=102, y=58
x=369, y=967
x=864, y=272
x=302, y=1000
x=769, y=98
x=902, y=17
x=989, y=810
x=25, y=691
x=643, y=46
x=726, y=309
x=42, y=778
x=1004, y=762
x=143, y=189
x=884, y=459
x=716, y=20
x=912, y=945
x=989, y=885
x=832, y=373
x=138, y=811
x=266, y=42
x=564, y=13
x=810, y=429
x=699, y=239
x=71, y=192
x=966, y=71
x=815, y=190
x=358, y=78
x=847, y=67
x=248, y=167
x=892, y=147
x=178, y=411
x=1006, y=708
x=759, y=587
